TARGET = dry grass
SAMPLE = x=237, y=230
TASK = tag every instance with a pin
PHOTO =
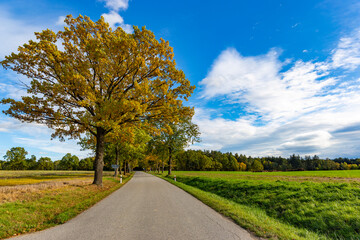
x=48, y=173
x=25, y=192
x=13, y=178
x=34, y=207
x=21, y=185
x=42, y=173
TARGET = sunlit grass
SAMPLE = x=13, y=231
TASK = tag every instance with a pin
x=250, y=217
x=47, y=173
x=299, y=176
x=320, y=202
x=25, y=181
x=43, y=208
x=13, y=178
x=335, y=173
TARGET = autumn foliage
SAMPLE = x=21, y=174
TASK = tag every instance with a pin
x=89, y=78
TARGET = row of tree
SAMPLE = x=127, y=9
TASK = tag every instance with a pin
x=198, y=160
x=102, y=83
x=152, y=154
x=122, y=95
x=15, y=159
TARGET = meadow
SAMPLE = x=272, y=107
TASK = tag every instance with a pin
x=299, y=176
x=35, y=200
x=296, y=205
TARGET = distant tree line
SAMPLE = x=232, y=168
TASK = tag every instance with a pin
x=15, y=159
x=189, y=160
x=197, y=160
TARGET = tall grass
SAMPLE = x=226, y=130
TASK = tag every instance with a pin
x=327, y=208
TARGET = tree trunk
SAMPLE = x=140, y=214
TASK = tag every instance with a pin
x=99, y=157
x=117, y=159
x=124, y=165
x=170, y=160
x=163, y=166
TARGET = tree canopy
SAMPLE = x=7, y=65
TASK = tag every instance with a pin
x=89, y=78
x=16, y=158
x=178, y=136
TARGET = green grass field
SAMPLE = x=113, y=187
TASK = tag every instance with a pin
x=299, y=176
x=42, y=199
x=323, y=203
x=336, y=173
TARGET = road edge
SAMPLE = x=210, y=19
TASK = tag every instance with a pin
x=245, y=217
x=78, y=212
x=195, y=193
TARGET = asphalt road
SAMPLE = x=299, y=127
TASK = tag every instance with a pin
x=146, y=208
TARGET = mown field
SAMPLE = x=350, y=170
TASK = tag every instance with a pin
x=12, y=178
x=35, y=200
x=283, y=205
x=298, y=176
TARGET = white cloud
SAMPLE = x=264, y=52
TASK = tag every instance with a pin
x=116, y=5
x=17, y=31
x=12, y=125
x=14, y=33
x=347, y=53
x=230, y=130
x=60, y=21
x=115, y=20
x=12, y=91
x=260, y=82
x=297, y=110
x=33, y=136
x=113, y=17
x=53, y=146
x=316, y=140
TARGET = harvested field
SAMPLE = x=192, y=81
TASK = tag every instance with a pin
x=47, y=198
x=23, y=192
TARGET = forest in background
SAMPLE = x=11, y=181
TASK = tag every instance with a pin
x=185, y=160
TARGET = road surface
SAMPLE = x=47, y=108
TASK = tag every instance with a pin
x=146, y=208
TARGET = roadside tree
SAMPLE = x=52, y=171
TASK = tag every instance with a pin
x=174, y=137
x=99, y=81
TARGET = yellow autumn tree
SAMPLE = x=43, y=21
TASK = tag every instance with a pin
x=242, y=166
x=89, y=78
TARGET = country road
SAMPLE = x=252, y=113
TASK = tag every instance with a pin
x=146, y=208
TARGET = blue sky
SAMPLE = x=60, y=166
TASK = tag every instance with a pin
x=272, y=77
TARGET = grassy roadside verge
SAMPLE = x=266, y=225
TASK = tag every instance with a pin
x=251, y=218
x=50, y=207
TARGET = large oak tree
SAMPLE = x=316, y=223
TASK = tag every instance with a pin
x=90, y=78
